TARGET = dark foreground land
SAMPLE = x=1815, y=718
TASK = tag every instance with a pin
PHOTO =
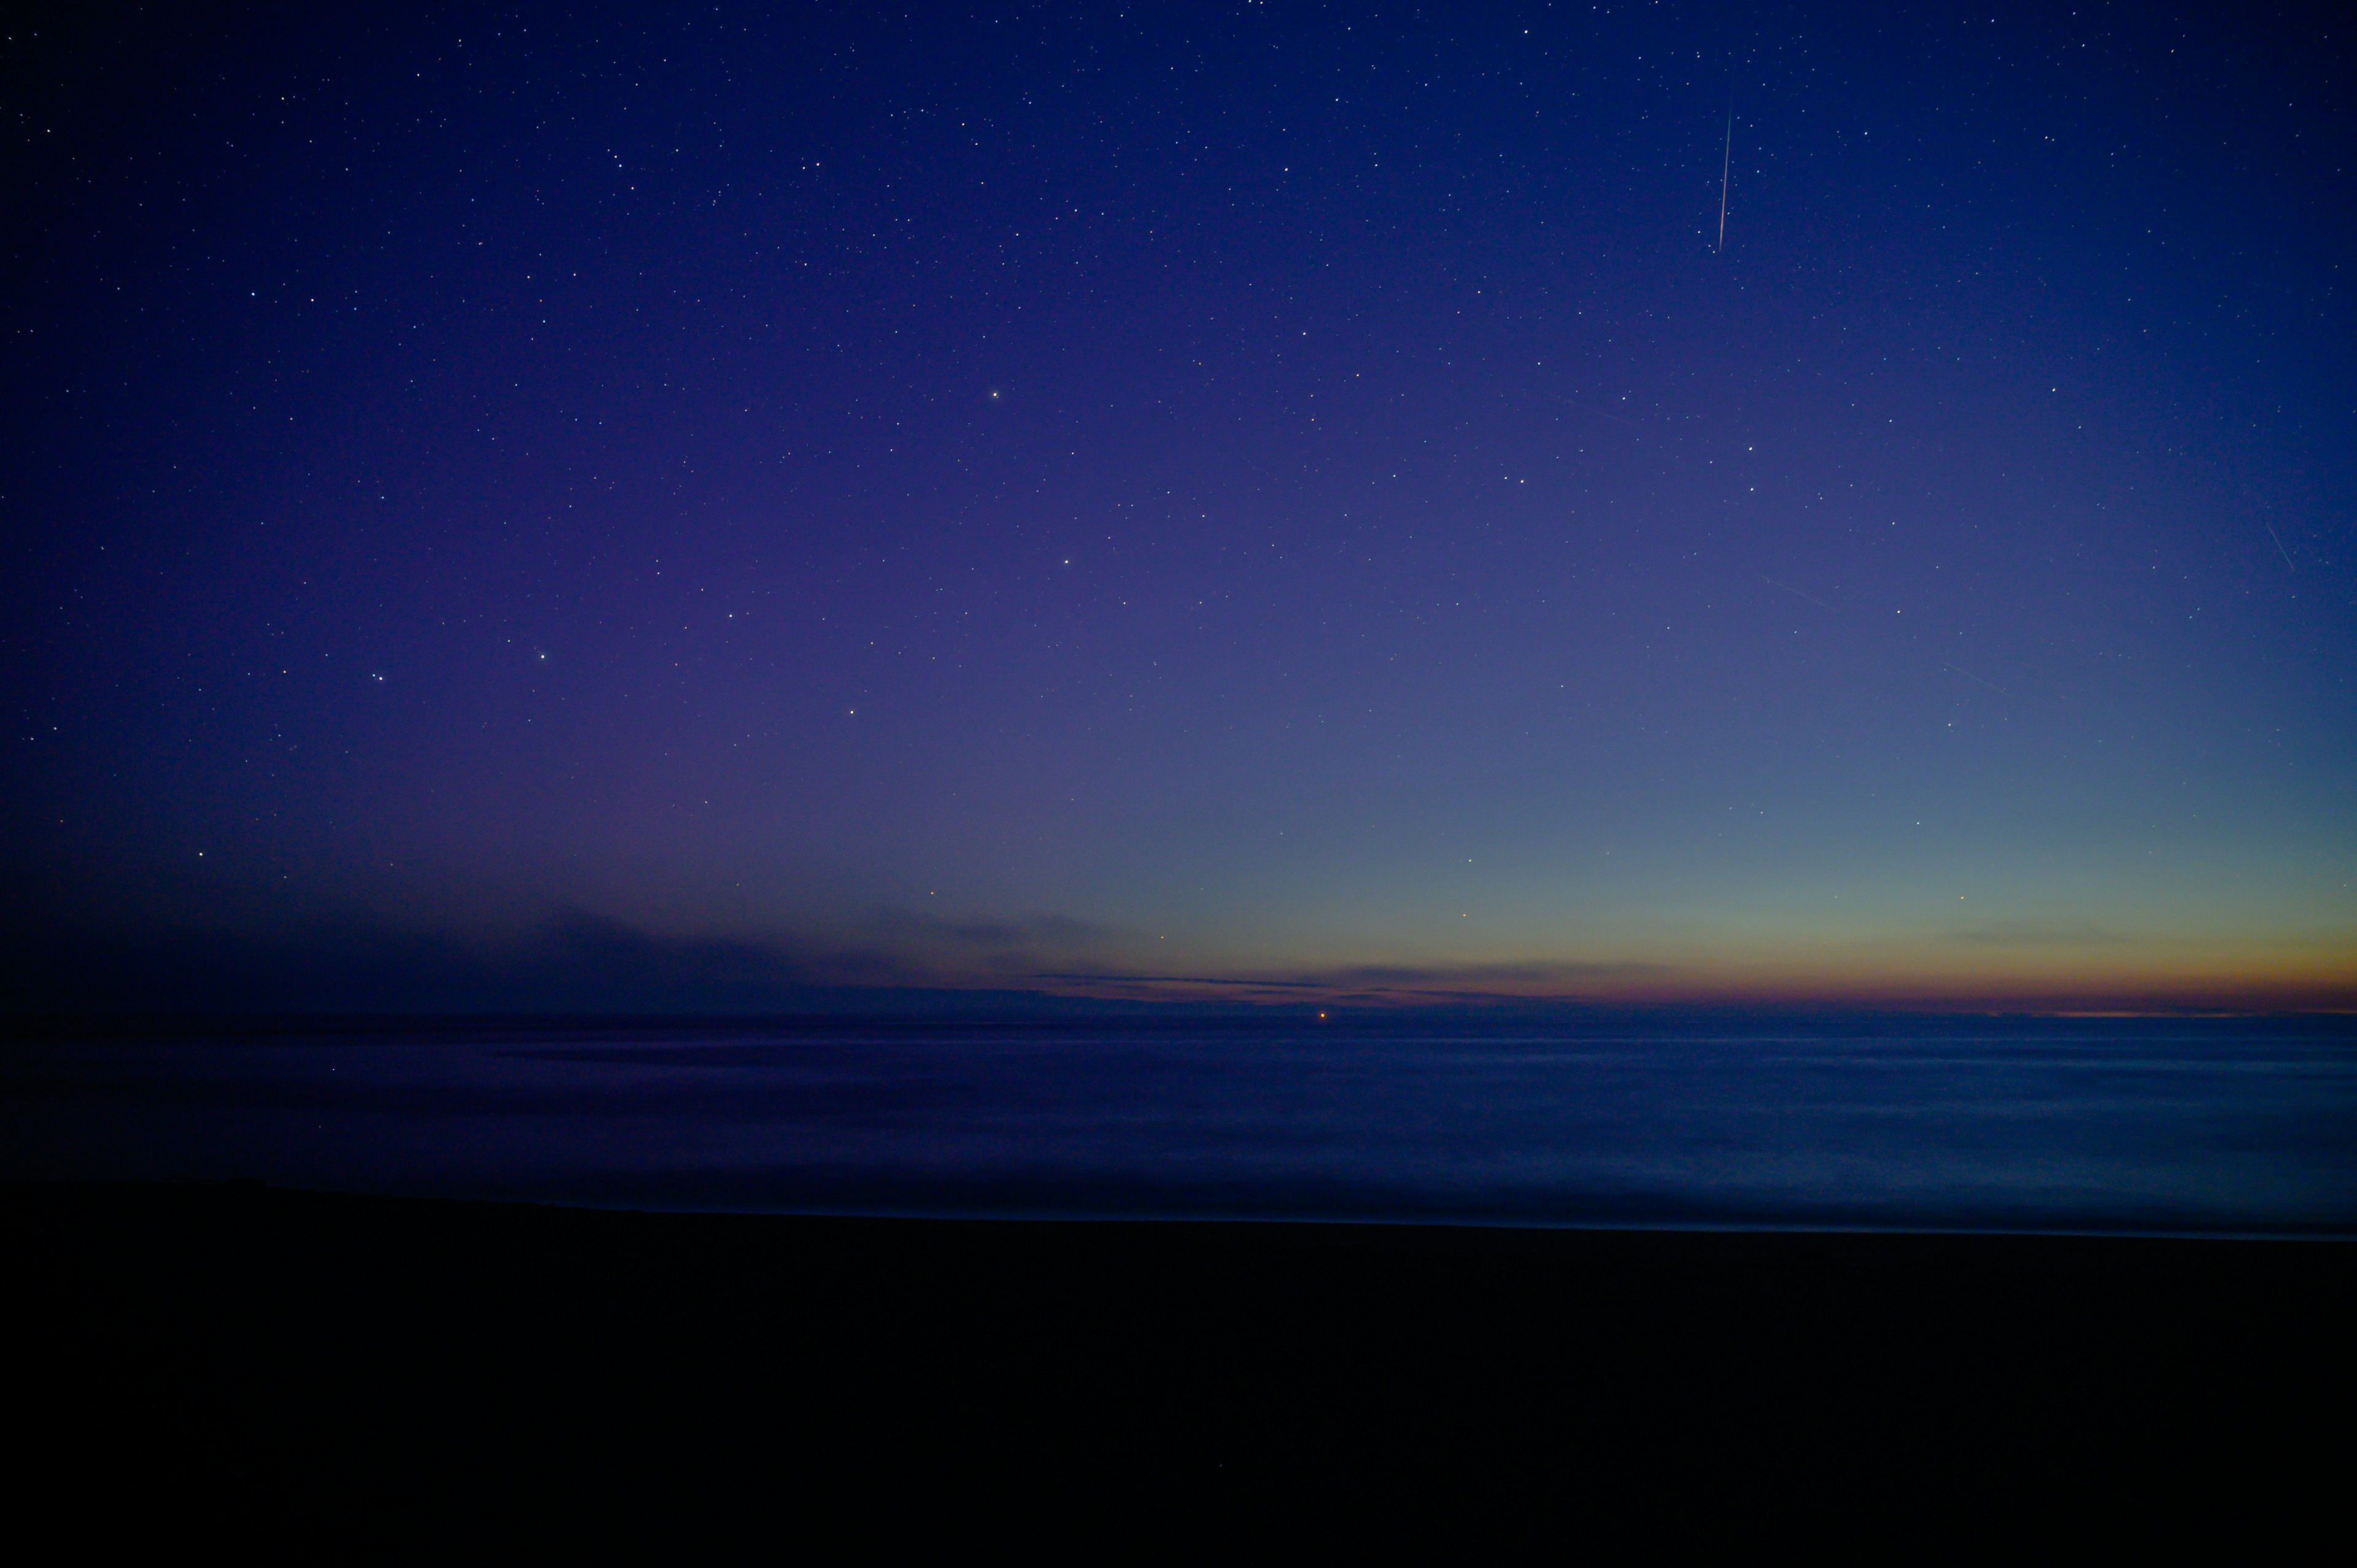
x=340, y=1369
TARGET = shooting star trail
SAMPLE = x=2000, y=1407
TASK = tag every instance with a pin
x=1970, y=676
x=1726, y=166
x=1798, y=594
x=1599, y=413
x=2279, y=548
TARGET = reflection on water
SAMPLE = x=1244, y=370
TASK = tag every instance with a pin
x=2204, y=1125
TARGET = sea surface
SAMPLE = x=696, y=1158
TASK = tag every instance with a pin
x=2211, y=1126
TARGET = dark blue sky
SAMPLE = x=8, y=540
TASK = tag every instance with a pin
x=1257, y=495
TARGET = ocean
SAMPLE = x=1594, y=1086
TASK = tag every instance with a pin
x=2234, y=1127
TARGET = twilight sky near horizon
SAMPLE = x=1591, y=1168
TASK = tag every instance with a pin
x=1259, y=494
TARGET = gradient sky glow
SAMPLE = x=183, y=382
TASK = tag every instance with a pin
x=1107, y=501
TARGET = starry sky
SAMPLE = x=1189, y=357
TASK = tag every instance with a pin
x=1254, y=502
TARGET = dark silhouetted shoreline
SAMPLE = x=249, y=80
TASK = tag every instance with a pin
x=340, y=1366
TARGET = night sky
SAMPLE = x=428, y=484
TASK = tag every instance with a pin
x=592, y=507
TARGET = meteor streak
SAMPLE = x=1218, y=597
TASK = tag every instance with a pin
x=1726, y=163
x=2279, y=544
x=1798, y=594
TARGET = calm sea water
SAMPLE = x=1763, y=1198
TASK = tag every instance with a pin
x=2204, y=1126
